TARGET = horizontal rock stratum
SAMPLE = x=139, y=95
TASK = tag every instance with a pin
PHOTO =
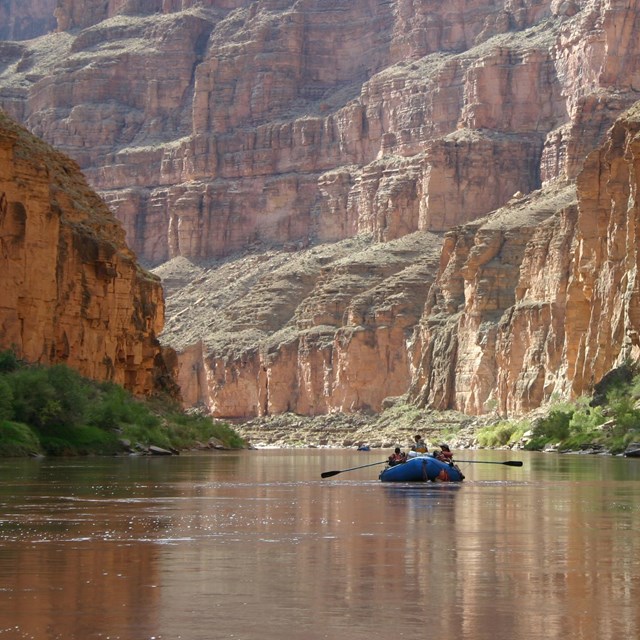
x=349, y=201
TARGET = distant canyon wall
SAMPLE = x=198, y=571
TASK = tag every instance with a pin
x=536, y=301
x=208, y=126
x=72, y=292
x=327, y=328
x=20, y=20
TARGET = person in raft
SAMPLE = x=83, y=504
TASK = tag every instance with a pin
x=446, y=453
x=397, y=457
x=419, y=445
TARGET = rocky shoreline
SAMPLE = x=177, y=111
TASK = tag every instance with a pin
x=383, y=431
x=391, y=428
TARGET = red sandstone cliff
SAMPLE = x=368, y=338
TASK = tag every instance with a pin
x=208, y=125
x=72, y=291
x=540, y=298
x=233, y=125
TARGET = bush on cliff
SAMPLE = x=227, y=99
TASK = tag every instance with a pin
x=18, y=440
x=609, y=420
x=613, y=424
x=552, y=428
x=56, y=411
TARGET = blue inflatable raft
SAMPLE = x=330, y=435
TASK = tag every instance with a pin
x=422, y=469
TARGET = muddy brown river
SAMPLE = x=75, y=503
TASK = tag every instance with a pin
x=254, y=545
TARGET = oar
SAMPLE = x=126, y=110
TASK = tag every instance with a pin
x=328, y=474
x=509, y=463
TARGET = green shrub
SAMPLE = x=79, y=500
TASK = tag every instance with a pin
x=554, y=427
x=6, y=400
x=72, y=394
x=147, y=435
x=576, y=425
x=48, y=396
x=501, y=434
x=70, y=415
x=8, y=361
x=197, y=428
x=116, y=409
x=496, y=435
x=622, y=408
x=586, y=419
x=68, y=440
x=634, y=388
x=17, y=440
x=584, y=425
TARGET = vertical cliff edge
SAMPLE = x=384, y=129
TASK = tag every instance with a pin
x=540, y=299
x=72, y=292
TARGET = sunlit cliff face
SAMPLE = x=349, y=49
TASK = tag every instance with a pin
x=72, y=291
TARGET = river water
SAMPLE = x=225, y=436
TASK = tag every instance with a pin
x=255, y=545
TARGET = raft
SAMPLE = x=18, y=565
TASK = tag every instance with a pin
x=422, y=469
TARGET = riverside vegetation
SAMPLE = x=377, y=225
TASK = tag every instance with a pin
x=56, y=411
x=607, y=421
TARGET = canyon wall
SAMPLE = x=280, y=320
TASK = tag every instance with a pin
x=310, y=331
x=72, y=292
x=269, y=136
x=209, y=125
x=541, y=298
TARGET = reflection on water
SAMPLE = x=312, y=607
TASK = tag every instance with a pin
x=255, y=545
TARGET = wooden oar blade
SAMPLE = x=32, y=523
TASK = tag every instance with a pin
x=328, y=474
x=513, y=463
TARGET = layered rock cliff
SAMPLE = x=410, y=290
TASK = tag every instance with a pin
x=541, y=298
x=72, y=292
x=248, y=141
x=207, y=125
x=311, y=331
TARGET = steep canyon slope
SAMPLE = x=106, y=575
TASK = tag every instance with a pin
x=350, y=200
x=72, y=291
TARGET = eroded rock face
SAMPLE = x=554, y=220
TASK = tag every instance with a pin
x=314, y=331
x=209, y=125
x=72, y=292
x=537, y=300
x=541, y=298
x=218, y=127
x=494, y=324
